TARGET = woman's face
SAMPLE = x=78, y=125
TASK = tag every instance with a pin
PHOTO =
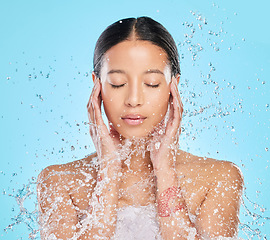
x=135, y=80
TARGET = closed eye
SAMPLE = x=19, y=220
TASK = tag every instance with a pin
x=117, y=86
x=151, y=85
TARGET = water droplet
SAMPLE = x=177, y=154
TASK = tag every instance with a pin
x=72, y=148
x=157, y=145
x=266, y=149
x=61, y=150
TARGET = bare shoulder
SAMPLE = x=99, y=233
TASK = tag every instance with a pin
x=69, y=171
x=57, y=185
x=209, y=168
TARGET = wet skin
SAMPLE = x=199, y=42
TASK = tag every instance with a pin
x=198, y=178
x=136, y=91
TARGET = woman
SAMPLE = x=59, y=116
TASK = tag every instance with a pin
x=138, y=184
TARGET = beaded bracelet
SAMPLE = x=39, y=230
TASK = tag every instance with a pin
x=163, y=202
x=99, y=178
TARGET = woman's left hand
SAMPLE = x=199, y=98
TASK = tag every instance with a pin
x=165, y=138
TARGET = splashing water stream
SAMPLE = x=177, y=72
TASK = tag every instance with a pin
x=213, y=101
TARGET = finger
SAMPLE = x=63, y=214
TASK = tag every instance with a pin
x=91, y=95
x=179, y=110
x=90, y=109
x=95, y=103
x=176, y=102
x=175, y=119
x=97, y=109
x=179, y=101
x=171, y=108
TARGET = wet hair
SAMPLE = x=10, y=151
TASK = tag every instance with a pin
x=142, y=28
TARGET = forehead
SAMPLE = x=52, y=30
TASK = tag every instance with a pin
x=135, y=54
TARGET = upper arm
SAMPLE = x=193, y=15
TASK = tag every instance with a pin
x=219, y=211
x=57, y=212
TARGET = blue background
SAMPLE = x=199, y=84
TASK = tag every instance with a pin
x=46, y=50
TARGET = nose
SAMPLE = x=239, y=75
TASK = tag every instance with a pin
x=135, y=95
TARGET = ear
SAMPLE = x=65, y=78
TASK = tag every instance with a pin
x=94, y=76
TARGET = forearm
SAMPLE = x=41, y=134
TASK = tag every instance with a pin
x=102, y=216
x=173, y=217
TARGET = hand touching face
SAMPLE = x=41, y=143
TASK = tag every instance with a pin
x=135, y=80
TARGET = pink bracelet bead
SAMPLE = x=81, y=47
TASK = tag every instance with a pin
x=163, y=202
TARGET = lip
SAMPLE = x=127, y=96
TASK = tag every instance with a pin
x=133, y=119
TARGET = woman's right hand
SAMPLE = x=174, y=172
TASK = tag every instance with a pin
x=105, y=142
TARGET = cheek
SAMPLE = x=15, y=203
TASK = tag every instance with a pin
x=158, y=102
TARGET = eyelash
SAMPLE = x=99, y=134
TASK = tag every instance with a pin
x=148, y=85
x=152, y=86
x=117, y=86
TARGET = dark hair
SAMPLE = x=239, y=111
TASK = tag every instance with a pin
x=144, y=28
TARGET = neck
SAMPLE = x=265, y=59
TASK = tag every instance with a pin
x=137, y=184
x=136, y=156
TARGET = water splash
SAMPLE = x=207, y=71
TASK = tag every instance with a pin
x=256, y=219
x=200, y=37
x=25, y=216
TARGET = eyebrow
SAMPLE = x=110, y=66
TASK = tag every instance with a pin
x=146, y=72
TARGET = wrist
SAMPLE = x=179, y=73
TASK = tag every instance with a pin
x=163, y=169
x=110, y=162
x=166, y=178
x=109, y=171
x=168, y=202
